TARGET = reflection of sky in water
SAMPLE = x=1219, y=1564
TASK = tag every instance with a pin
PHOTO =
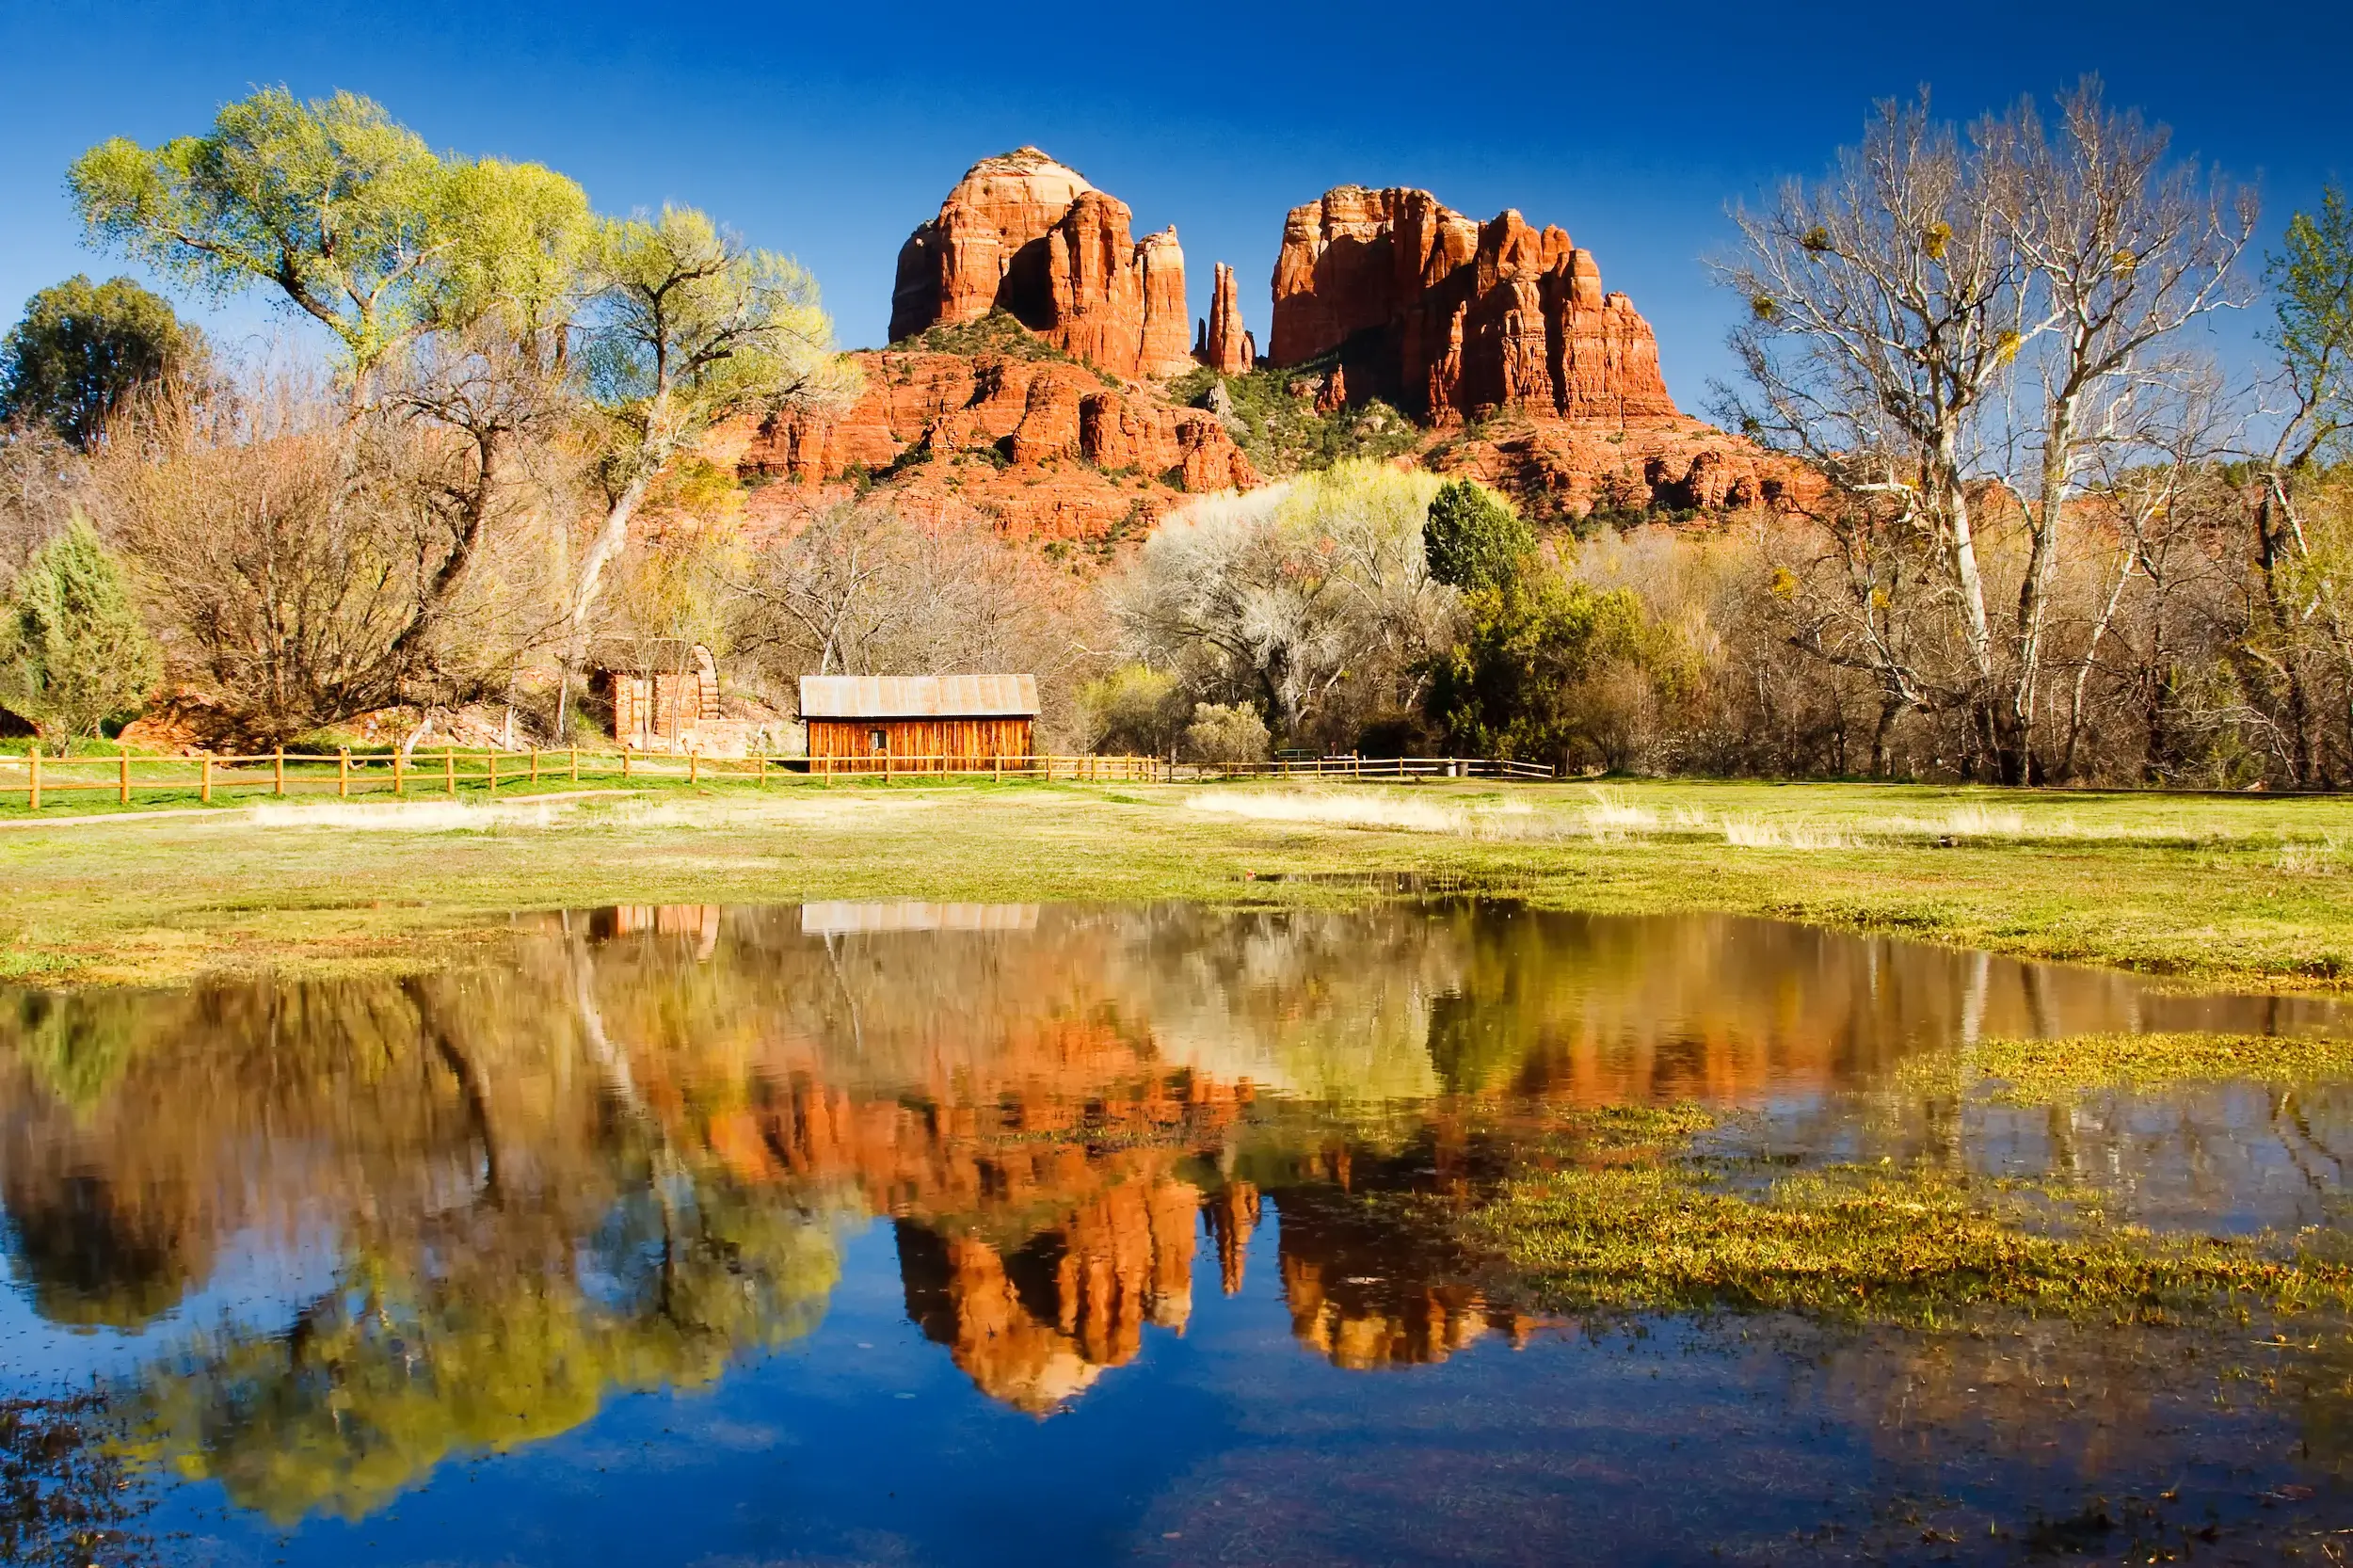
x=862, y=1444
x=937, y=1210
x=256, y=1286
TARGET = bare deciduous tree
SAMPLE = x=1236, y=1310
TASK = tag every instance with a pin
x=1947, y=329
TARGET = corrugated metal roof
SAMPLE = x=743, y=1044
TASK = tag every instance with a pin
x=919, y=697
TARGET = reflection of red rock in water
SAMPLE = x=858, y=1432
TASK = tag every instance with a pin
x=1369, y=1310
x=1036, y=1326
x=1365, y=1321
x=1232, y=1213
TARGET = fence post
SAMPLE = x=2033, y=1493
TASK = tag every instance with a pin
x=343, y=773
x=125, y=797
x=33, y=754
x=278, y=773
x=449, y=769
x=575, y=764
x=204, y=789
x=494, y=773
x=760, y=774
x=694, y=767
x=535, y=765
x=400, y=763
x=624, y=758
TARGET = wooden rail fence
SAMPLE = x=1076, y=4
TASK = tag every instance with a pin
x=446, y=771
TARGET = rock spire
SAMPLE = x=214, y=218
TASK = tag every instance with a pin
x=1222, y=345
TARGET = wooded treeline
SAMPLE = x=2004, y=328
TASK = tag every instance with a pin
x=2037, y=533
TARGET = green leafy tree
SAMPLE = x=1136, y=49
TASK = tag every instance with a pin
x=73, y=650
x=82, y=348
x=330, y=201
x=348, y=216
x=1135, y=708
x=451, y=285
x=2312, y=287
x=688, y=327
x=2304, y=566
x=1548, y=668
x=1472, y=539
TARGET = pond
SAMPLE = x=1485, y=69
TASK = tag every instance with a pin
x=972, y=1234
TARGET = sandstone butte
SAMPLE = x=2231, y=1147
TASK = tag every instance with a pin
x=1032, y=339
x=1023, y=234
x=1452, y=320
x=1071, y=443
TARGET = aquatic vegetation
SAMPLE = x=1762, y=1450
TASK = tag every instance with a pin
x=65, y=1498
x=2035, y=1072
x=1623, y=1213
x=1866, y=1242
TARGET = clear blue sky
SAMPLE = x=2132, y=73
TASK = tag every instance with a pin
x=830, y=132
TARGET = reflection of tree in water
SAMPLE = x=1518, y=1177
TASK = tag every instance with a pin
x=517, y=1238
x=487, y=1338
x=93, y=1258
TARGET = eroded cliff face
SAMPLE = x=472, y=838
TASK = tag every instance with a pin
x=1039, y=448
x=1026, y=235
x=1449, y=317
x=1033, y=335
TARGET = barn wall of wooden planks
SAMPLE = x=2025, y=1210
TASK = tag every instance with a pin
x=915, y=745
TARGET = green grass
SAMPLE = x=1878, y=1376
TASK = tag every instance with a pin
x=2238, y=892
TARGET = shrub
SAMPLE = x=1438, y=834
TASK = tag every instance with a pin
x=1223, y=733
x=1134, y=710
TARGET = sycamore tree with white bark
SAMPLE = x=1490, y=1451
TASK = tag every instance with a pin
x=1959, y=329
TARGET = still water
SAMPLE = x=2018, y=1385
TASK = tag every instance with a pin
x=952, y=1233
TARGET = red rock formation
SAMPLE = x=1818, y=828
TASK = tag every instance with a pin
x=1222, y=345
x=1447, y=316
x=1332, y=395
x=1025, y=234
x=1040, y=413
x=1565, y=469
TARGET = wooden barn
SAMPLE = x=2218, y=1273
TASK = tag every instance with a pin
x=918, y=723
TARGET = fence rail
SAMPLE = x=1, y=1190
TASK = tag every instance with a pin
x=446, y=771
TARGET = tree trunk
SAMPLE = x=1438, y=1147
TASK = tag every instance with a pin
x=1891, y=707
x=1962, y=555
x=2298, y=704
x=607, y=544
x=2034, y=595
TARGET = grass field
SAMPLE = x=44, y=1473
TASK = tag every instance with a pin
x=2246, y=891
